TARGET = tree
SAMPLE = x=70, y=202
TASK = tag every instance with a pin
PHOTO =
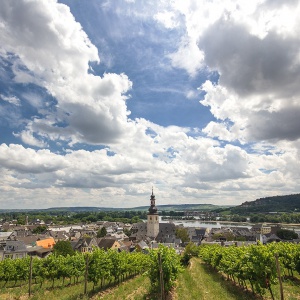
x=190, y=250
x=63, y=248
x=101, y=232
x=127, y=232
x=135, y=219
x=39, y=229
x=286, y=234
x=182, y=233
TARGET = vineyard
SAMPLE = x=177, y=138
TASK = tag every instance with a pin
x=101, y=268
x=252, y=269
x=258, y=267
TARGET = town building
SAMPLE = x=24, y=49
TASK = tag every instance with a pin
x=261, y=229
x=13, y=250
x=152, y=219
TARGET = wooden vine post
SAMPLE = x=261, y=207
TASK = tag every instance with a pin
x=161, y=277
x=86, y=274
x=30, y=276
x=279, y=276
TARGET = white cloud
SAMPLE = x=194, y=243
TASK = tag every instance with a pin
x=56, y=52
x=178, y=166
x=167, y=18
x=220, y=130
x=23, y=160
x=253, y=45
x=256, y=99
x=28, y=138
x=11, y=99
x=188, y=57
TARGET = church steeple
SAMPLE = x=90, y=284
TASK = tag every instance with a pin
x=152, y=219
x=152, y=209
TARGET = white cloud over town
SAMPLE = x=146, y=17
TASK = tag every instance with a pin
x=71, y=130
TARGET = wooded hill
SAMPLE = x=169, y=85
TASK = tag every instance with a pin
x=166, y=207
x=286, y=203
x=182, y=207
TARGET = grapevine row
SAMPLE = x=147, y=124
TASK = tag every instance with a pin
x=255, y=264
x=97, y=267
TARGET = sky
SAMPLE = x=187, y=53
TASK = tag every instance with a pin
x=102, y=100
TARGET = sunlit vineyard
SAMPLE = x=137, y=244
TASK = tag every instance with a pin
x=253, y=266
x=97, y=267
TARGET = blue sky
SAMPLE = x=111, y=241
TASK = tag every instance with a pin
x=101, y=100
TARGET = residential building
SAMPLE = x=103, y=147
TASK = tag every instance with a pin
x=261, y=228
x=13, y=250
x=46, y=243
x=84, y=244
x=106, y=243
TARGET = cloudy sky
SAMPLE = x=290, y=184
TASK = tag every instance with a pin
x=101, y=100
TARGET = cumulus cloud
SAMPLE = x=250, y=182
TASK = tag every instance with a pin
x=249, y=150
x=54, y=52
x=195, y=57
x=254, y=48
x=28, y=138
x=220, y=130
x=283, y=124
x=24, y=160
x=250, y=65
x=179, y=166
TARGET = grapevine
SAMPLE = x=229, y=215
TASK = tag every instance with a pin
x=255, y=264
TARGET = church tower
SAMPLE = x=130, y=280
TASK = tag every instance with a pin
x=152, y=219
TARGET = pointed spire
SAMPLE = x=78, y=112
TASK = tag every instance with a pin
x=152, y=208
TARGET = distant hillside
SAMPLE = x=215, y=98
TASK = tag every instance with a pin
x=168, y=207
x=287, y=203
x=82, y=209
x=182, y=207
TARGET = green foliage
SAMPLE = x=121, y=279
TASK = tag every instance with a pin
x=39, y=229
x=170, y=266
x=127, y=232
x=109, y=265
x=74, y=216
x=182, y=233
x=100, y=266
x=63, y=248
x=275, y=218
x=255, y=263
x=191, y=250
x=286, y=203
x=101, y=232
x=286, y=234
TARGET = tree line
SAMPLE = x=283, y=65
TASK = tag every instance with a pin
x=66, y=217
